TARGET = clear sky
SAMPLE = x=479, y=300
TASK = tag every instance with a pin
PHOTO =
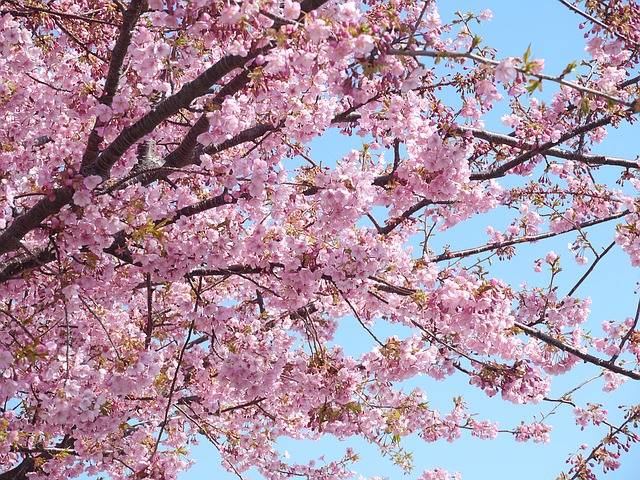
x=553, y=34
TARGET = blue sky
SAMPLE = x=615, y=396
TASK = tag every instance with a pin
x=553, y=34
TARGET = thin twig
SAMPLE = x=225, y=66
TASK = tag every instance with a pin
x=588, y=272
x=628, y=334
x=526, y=239
x=355, y=313
x=175, y=374
x=149, y=327
x=495, y=63
x=593, y=19
x=84, y=302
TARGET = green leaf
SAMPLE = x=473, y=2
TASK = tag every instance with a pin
x=527, y=54
x=477, y=40
x=568, y=69
x=533, y=85
x=585, y=106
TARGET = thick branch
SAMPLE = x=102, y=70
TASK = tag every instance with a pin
x=548, y=339
x=394, y=222
x=183, y=98
x=11, y=236
x=165, y=109
x=553, y=152
x=29, y=463
x=184, y=154
x=24, y=263
x=129, y=20
x=23, y=224
x=542, y=149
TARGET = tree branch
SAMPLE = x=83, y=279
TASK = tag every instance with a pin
x=129, y=20
x=526, y=239
x=495, y=63
x=548, y=339
x=553, y=152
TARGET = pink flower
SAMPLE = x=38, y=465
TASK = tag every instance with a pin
x=537, y=65
x=551, y=257
x=594, y=48
x=470, y=109
x=512, y=121
x=438, y=474
x=318, y=30
x=291, y=10
x=598, y=134
x=485, y=14
x=484, y=429
x=506, y=70
x=82, y=198
x=363, y=45
x=70, y=291
x=538, y=432
x=230, y=15
x=612, y=381
x=103, y=112
x=92, y=182
x=120, y=104
x=593, y=414
x=12, y=36
x=162, y=49
x=488, y=92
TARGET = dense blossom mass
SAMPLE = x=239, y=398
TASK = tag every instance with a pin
x=175, y=261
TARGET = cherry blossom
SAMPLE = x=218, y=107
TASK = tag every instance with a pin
x=179, y=259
